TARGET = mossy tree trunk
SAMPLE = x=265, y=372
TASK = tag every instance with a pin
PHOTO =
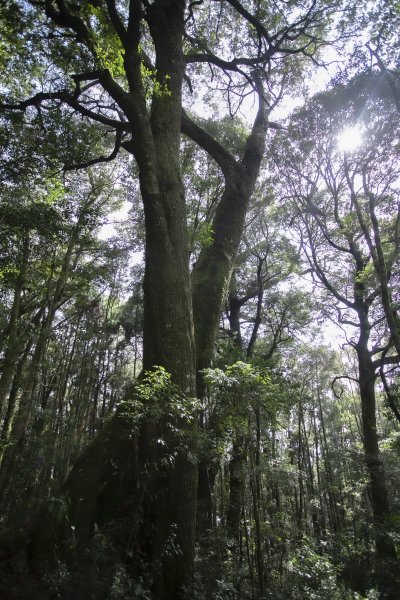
x=212, y=273
x=118, y=459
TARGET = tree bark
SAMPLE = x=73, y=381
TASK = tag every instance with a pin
x=212, y=272
x=385, y=550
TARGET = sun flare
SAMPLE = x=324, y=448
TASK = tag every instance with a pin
x=350, y=139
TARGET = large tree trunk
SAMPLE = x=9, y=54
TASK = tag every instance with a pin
x=164, y=510
x=168, y=338
x=385, y=550
x=119, y=468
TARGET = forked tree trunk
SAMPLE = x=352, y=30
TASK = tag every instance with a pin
x=212, y=272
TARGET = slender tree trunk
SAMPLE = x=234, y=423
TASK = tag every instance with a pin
x=256, y=494
x=334, y=521
x=311, y=492
x=234, y=305
x=236, y=487
x=12, y=400
x=206, y=510
x=301, y=507
x=13, y=341
x=21, y=420
x=258, y=316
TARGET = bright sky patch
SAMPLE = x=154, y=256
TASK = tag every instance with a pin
x=349, y=139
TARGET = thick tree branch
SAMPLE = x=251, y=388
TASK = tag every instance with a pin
x=117, y=22
x=227, y=65
x=66, y=97
x=262, y=31
x=67, y=20
x=206, y=141
x=391, y=398
x=255, y=143
x=386, y=360
x=388, y=76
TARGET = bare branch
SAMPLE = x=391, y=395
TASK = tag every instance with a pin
x=335, y=379
x=100, y=159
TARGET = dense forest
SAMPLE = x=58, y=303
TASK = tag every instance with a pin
x=199, y=299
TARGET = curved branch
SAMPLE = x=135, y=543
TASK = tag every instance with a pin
x=100, y=159
x=206, y=141
x=86, y=112
x=335, y=379
x=317, y=269
x=252, y=20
